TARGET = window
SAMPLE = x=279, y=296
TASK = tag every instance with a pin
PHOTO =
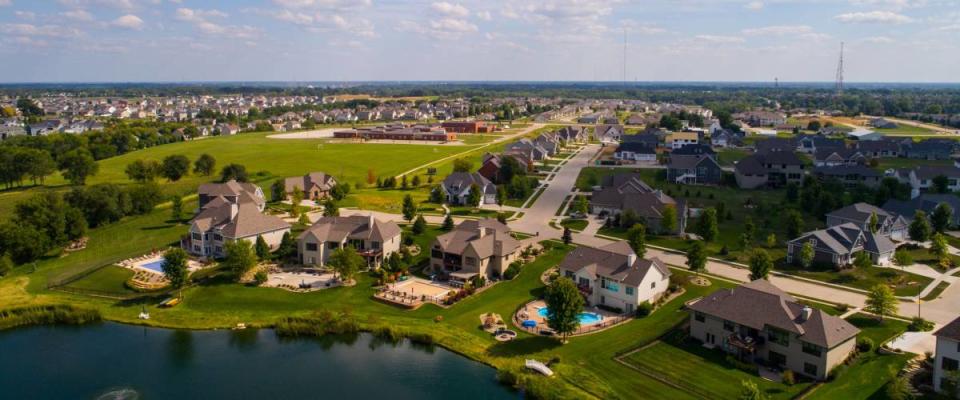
x=375, y=245
x=436, y=253
x=217, y=237
x=653, y=285
x=810, y=369
x=699, y=317
x=812, y=349
x=197, y=236
x=629, y=291
x=728, y=326
x=778, y=336
x=471, y=261
x=311, y=246
x=777, y=358
x=611, y=286
x=333, y=245
x=584, y=282
x=218, y=249
x=568, y=274
x=948, y=364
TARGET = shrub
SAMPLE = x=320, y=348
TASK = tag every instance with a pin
x=260, y=277
x=837, y=372
x=512, y=270
x=788, y=378
x=408, y=240
x=865, y=344
x=644, y=309
x=749, y=368
x=554, y=360
x=918, y=324
x=508, y=377
x=842, y=307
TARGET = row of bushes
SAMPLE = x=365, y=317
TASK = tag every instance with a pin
x=326, y=323
x=46, y=315
x=532, y=386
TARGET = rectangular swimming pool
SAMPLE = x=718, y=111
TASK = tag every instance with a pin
x=156, y=265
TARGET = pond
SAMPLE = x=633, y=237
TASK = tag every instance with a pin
x=123, y=361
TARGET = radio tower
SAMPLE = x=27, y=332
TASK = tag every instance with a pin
x=624, y=56
x=840, y=71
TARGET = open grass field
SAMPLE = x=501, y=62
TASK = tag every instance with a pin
x=905, y=130
x=109, y=279
x=902, y=283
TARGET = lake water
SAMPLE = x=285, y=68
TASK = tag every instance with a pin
x=67, y=362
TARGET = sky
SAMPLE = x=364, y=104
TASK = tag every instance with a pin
x=478, y=40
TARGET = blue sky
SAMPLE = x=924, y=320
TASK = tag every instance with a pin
x=292, y=40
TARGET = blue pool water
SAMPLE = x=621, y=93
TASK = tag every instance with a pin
x=154, y=265
x=586, y=318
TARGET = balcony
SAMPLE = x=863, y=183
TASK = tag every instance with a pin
x=744, y=343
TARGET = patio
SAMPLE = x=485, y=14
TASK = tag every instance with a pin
x=413, y=292
x=148, y=270
x=593, y=319
x=305, y=281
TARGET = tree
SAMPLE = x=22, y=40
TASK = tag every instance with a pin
x=939, y=248
x=295, y=199
x=6, y=265
x=750, y=391
x=793, y=192
x=902, y=258
x=175, y=167
x=462, y=165
x=668, y=221
x=143, y=198
x=240, y=258
x=330, y=208
x=580, y=205
x=409, y=208
x=874, y=222
x=371, y=176
x=436, y=195
x=233, y=171
x=346, y=263
x=898, y=387
x=636, y=237
x=501, y=195
x=28, y=107
x=262, y=248
x=204, y=165
x=447, y=223
x=806, y=255
x=941, y=184
x=567, y=235
x=697, y=257
x=77, y=165
x=288, y=247
x=24, y=243
x=340, y=191
x=174, y=267
x=707, y=225
x=940, y=219
x=403, y=182
x=760, y=264
x=473, y=197
x=176, y=208
x=813, y=126
x=38, y=163
x=862, y=260
x=771, y=240
x=278, y=190
x=415, y=182
x=142, y=171
x=881, y=301
x=564, y=304
x=419, y=225
x=919, y=228
x=793, y=224
x=749, y=229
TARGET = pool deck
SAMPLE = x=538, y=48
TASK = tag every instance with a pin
x=530, y=312
x=414, y=292
x=292, y=280
x=139, y=263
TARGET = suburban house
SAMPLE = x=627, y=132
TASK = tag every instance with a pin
x=694, y=150
x=926, y=202
x=608, y=133
x=572, y=134
x=757, y=321
x=775, y=144
x=832, y=157
x=921, y=177
x=315, y=185
x=456, y=187
x=810, y=144
x=725, y=138
x=613, y=276
x=773, y=168
x=837, y=245
x=622, y=192
x=636, y=152
x=373, y=239
x=927, y=150
x=233, y=192
x=648, y=139
x=677, y=140
x=231, y=217
x=761, y=118
x=888, y=224
x=474, y=248
x=492, y=163
x=947, y=356
x=850, y=176
x=879, y=148
x=529, y=149
x=694, y=170
x=882, y=123
x=549, y=142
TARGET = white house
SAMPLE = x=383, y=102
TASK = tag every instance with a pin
x=947, y=357
x=613, y=276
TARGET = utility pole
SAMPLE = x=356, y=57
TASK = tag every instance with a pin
x=839, y=83
x=624, y=56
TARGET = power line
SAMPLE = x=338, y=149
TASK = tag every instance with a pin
x=839, y=82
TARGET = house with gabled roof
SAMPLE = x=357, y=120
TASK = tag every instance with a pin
x=528, y=148
x=835, y=156
x=626, y=191
x=608, y=133
x=615, y=277
x=850, y=176
x=373, y=239
x=759, y=322
x=474, y=248
x=456, y=187
x=694, y=170
x=233, y=192
x=888, y=224
x=770, y=168
x=229, y=212
x=314, y=185
x=636, y=152
x=837, y=245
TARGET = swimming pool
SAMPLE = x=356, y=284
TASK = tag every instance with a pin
x=586, y=318
x=156, y=265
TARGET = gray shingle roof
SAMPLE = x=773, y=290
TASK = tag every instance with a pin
x=611, y=261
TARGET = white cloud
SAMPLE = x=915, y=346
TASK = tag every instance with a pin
x=324, y=4
x=128, y=21
x=38, y=30
x=6, y=3
x=754, y=5
x=455, y=10
x=25, y=15
x=443, y=28
x=720, y=39
x=894, y=5
x=484, y=15
x=949, y=28
x=78, y=15
x=778, y=30
x=357, y=26
x=878, y=40
x=197, y=16
x=874, y=17
x=298, y=18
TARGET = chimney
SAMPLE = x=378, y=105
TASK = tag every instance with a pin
x=631, y=258
x=370, y=221
x=481, y=232
x=234, y=210
x=805, y=313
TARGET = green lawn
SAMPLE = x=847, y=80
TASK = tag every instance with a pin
x=109, y=279
x=922, y=255
x=574, y=224
x=875, y=329
x=902, y=283
x=904, y=130
x=702, y=371
x=936, y=291
x=887, y=163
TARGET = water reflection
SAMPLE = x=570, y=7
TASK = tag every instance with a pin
x=180, y=345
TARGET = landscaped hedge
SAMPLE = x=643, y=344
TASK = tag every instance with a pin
x=49, y=314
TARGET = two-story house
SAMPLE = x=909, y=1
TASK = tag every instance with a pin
x=315, y=185
x=838, y=245
x=458, y=185
x=887, y=224
x=946, y=360
x=373, y=239
x=627, y=192
x=220, y=221
x=771, y=168
x=474, y=248
x=613, y=276
x=757, y=322
x=694, y=170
